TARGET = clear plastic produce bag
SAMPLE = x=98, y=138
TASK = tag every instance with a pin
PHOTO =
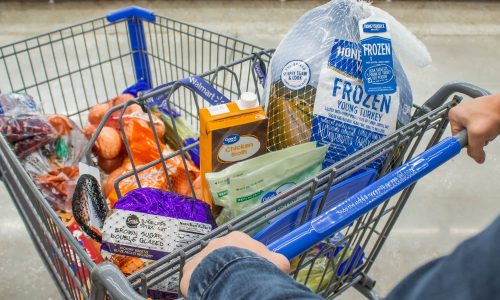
x=17, y=104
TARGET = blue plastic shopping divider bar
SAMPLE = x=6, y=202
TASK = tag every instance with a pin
x=340, y=216
x=134, y=16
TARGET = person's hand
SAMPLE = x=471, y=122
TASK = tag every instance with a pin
x=234, y=239
x=481, y=118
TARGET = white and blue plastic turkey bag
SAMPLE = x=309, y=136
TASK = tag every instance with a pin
x=336, y=79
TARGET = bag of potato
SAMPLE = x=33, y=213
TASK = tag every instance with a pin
x=335, y=79
x=143, y=150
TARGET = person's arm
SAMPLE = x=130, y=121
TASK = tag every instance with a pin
x=238, y=267
x=481, y=118
x=471, y=270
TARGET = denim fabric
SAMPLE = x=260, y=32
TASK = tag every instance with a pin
x=233, y=273
x=472, y=271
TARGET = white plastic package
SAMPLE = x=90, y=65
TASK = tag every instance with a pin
x=316, y=90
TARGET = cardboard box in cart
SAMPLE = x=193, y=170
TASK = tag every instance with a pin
x=230, y=133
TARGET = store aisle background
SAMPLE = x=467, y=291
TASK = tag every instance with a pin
x=447, y=206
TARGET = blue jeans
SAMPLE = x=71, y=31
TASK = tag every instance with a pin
x=471, y=271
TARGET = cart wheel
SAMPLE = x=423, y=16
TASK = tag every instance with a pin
x=365, y=286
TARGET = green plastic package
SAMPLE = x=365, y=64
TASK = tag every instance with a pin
x=317, y=275
x=247, y=184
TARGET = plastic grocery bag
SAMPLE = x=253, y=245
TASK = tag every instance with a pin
x=316, y=90
x=17, y=104
x=57, y=186
x=69, y=147
x=54, y=167
x=153, y=177
x=186, y=134
x=23, y=125
x=26, y=133
x=141, y=140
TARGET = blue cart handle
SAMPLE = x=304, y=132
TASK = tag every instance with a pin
x=134, y=17
x=131, y=12
x=340, y=216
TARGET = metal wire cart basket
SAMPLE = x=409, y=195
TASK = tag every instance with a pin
x=72, y=69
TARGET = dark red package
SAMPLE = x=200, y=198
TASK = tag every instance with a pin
x=26, y=133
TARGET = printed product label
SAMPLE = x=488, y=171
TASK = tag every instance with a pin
x=345, y=116
x=376, y=54
x=236, y=148
x=374, y=27
x=259, y=67
x=195, y=83
x=148, y=236
x=218, y=109
x=295, y=75
x=237, y=143
x=205, y=90
x=279, y=190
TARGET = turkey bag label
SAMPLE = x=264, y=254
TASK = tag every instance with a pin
x=376, y=57
x=345, y=115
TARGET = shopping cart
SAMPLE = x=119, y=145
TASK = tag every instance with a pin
x=81, y=65
x=70, y=70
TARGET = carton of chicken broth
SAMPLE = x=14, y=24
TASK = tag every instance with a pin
x=230, y=133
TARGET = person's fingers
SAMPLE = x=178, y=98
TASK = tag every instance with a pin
x=455, y=121
x=236, y=239
x=455, y=129
x=475, y=146
x=277, y=259
x=238, y=236
x=187, y=272
x=281, y=262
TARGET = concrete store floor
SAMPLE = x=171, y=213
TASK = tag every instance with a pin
x=451, y=204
